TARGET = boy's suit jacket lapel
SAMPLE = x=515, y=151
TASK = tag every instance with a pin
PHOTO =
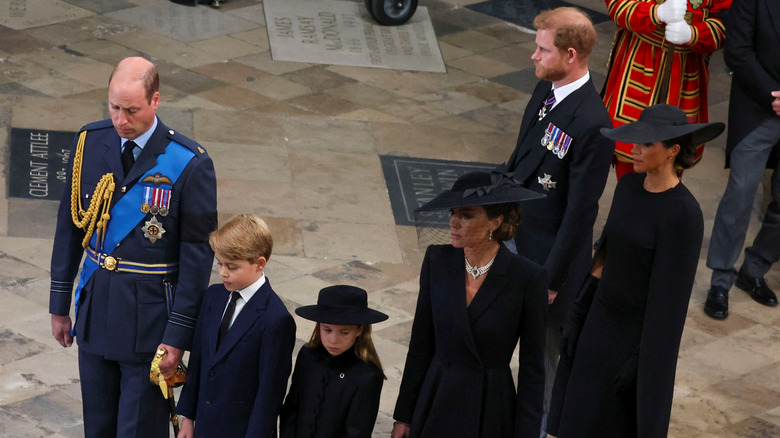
x=249, y=315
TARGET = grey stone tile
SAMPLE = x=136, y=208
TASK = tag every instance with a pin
x=52, y=411
x=14, y=346
x=182, y=23
x=102, y=6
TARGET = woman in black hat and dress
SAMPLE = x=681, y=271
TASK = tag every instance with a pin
x=338, y=377
x=620, y=343
x=476, y=300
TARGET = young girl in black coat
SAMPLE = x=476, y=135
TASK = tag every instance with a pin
x=338, y=377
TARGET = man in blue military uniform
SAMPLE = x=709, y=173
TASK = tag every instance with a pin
x=141, y=204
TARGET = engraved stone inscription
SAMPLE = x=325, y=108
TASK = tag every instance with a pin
x=338, y=32
x=25, y=14
x=39, y=163
x=412, y=182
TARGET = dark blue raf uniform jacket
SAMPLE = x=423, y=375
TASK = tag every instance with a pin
x=122, y=315
x=557, y=231
x=237, y=389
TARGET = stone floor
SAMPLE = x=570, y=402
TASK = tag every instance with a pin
x=299, y=144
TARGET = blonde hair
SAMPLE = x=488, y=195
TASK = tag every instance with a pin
x=243, y=237
x=363, y=348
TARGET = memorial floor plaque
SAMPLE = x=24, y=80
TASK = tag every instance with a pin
x=341, y=32
x=523, y=12
x=181, y=22
x=411, y=182
x=39, y=163
x=24, y=14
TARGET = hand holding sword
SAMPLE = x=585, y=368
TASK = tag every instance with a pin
x=166, y=385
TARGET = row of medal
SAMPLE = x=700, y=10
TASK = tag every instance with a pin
x=556, y=140
x=156, y=200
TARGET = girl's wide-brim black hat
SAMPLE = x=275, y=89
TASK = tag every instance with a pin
x=479, y=189
x=341, y=305
x=663, y=122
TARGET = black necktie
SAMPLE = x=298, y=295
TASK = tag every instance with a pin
x=127, y=156
x=224, y=326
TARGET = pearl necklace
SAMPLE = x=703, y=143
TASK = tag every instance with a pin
x=476, y=271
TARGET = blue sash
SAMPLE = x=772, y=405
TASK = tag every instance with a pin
x=126, y=214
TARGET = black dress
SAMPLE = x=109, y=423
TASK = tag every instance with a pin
x=331, y=397
x=457, y=379
x=621, y=379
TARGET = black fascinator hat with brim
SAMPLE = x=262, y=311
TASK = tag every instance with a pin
x=663, y=122
x=479, y=189
x=341, y=305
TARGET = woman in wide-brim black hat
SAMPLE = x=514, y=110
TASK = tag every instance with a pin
x=337, y=381
x=637, y=294
x=476, y=300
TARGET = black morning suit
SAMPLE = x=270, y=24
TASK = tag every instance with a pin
x=752, y=145
x=557, y=231
x=752, y=53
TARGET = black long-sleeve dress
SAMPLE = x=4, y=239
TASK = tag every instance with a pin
x=331, y=397
x=620, y=380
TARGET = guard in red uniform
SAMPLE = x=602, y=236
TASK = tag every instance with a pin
x=636, y=63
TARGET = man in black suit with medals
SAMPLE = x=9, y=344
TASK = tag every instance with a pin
x=753, y=35
x=561, y=153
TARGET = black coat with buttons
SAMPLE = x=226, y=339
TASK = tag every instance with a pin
x=331, y=397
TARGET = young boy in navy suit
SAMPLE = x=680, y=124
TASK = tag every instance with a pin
x=242, y=351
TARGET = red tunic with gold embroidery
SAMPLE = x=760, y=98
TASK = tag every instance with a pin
x=637, y=59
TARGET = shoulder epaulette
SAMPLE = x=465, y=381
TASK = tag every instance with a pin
x=97, y=125
x=182, y=139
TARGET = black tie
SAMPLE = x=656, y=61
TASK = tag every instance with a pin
x=127, y=156
x=224, y=326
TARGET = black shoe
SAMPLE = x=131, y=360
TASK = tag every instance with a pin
x=717, y=304
x=757, y=289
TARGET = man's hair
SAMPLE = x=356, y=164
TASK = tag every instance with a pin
x=150, y=79
x=243, y=237
x=571, y=27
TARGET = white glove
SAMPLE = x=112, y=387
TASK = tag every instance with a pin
x=678, y=32
x=671, y=11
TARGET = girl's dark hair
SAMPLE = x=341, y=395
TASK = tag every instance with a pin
x=686, y=157
x=513, y=215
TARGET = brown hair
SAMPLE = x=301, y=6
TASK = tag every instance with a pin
x=243, y=237
x=513, y=216
x=363, y=348
x=150, y=79
x=571, y=27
